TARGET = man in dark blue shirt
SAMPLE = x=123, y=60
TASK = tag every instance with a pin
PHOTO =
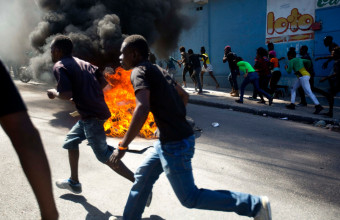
x=194, y=60
x=80, y=81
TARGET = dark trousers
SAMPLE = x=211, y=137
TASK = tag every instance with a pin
x=263, y=84
x=185, y=70
x=233, y=78
x=254, y=79
x=276, y=75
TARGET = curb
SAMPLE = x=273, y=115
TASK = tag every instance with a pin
x=291, y=117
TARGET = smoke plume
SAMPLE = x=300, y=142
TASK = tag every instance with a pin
x=17, y=20
x=98, y=27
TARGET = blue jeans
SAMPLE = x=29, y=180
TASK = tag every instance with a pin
x=253, y=78
x=174, y=159
x=233, y=78
x=92, y=130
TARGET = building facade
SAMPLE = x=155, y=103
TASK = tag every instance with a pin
x=246, y=25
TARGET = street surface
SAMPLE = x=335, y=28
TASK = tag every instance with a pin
x=296, y=165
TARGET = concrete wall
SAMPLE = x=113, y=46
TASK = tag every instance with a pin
x=242, y=25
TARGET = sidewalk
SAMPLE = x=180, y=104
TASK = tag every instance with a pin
x=221, y=98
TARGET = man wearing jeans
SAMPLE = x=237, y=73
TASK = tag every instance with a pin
x=80, y=81
x=194, y=60
x=175, y=148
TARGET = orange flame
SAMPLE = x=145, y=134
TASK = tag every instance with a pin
x=120, y=99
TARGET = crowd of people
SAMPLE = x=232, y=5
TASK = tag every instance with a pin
x=265, y=74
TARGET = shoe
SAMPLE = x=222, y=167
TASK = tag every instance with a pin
x=148, y=202
x=239, y=101
x=70, y=185
x=290, y=106
x=328, y=114
x=265, y=211
x=302, y=104
x=270, y=101
x=199, y=92
x=232, y=91
x=262, y=102
x=318, y=109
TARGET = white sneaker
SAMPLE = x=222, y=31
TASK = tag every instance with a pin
x=70, y=185
x=265, y=211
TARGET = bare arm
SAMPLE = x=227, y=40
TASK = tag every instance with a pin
x=139, y=117
x=225, y=59
x=27, y=143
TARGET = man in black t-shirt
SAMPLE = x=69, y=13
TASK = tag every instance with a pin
x=80, y=81
x=175, y=148
x=194, y=60
x=328, y=42
x=334, y=80
x=27, y=143
x=230, y=57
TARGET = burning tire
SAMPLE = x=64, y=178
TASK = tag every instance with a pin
x=25, y=74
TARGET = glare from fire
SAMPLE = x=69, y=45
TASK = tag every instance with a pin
x=120, y=99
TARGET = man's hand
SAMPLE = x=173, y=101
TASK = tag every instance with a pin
x=116, y=157
x=52, y=93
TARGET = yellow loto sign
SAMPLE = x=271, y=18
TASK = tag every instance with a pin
x=289, y=20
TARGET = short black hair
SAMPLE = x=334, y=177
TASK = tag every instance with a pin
x=291, y=53
x=304, y=48
x=139, y=43
x=328, y=38
x=190, y=51
x=262, y=52
x=202, y=49
x=182, y=49
x=63, y=43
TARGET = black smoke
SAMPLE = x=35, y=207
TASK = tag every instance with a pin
x=98, y=27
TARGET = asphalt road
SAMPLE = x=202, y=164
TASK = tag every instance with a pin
x=296, y=165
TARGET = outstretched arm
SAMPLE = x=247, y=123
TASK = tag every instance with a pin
x=139, y=117
x=27, y=143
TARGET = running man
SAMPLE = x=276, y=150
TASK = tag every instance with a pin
x=173, y=152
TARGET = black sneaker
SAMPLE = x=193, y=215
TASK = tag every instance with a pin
x=239, y=101
x=290, y=106
x=318, y=109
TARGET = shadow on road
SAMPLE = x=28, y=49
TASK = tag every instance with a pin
x=93, y=212
x=63, y=119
